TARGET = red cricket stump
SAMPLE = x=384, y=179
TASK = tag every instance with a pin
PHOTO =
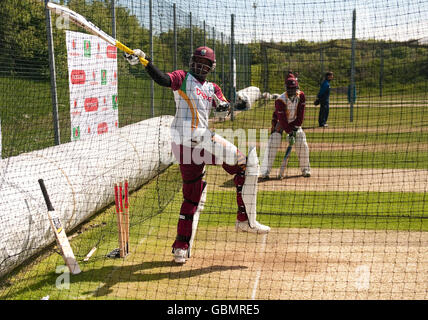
x=118, y=200
x=122, y=217
x=121, y=198
x=126, y=217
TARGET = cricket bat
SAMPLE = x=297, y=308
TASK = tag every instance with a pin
x=61, y=237
x=285, y=162
x=81, y=21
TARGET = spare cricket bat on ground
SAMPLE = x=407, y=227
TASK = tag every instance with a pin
x=61, y=237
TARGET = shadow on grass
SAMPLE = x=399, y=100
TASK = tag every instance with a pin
x=135, y=274
x=112, y=275
x=230, y=183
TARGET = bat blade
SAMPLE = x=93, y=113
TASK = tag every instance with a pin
x=82, y=22
x=60, y=235
x=285, y=162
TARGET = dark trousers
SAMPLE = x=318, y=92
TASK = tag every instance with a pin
x=193, y=185
x=323, y=115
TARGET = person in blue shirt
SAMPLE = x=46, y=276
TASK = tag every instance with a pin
x=323, y=98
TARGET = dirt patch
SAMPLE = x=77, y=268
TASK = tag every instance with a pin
x=323, y=264
x=378, y=129
x=372, y=147
x=332, y=179
x=284, y=264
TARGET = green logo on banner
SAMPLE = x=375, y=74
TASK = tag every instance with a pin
x=103, y=77
x=115, y=102
x=76, y=133
x=87, y=48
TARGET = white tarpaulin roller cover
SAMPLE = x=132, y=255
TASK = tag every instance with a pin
x=79, y=177
x=246, y=98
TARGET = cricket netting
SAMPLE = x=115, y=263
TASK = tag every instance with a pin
x=75, y=113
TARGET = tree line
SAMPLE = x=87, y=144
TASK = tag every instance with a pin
x=24, y=50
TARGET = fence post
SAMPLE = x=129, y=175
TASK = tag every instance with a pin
x=381, y=71
x=191, y=33
x=205, y=35
x=232, y=66
x=265, y=67
x=222, y=59
x=54, y=95
x=215, y=72
x=152, y=84
x=175, y=35
x=352, y=85
x=113, y=19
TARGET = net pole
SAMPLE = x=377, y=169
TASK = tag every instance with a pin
x=351, y=111
x=113, y=19
x=152, y=83
x=54, y=95
x=174, y=8
x=232, y=65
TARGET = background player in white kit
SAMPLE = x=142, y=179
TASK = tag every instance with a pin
x=288, y=116
x=194, y=146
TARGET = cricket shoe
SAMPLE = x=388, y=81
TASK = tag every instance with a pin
x=244, y=226
x=180, y=255
x=263, y=178
x=306, y=173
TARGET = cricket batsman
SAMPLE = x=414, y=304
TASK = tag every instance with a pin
x=288, y=116
x=195, y=146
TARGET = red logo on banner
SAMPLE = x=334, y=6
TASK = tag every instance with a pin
x=91, y=104
x=73, y=44
x=111, y=52
x=102, y=128
x=78, y=77
x=75, y=103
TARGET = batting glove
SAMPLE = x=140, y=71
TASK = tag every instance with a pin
x=134, y=59
x=222, y=110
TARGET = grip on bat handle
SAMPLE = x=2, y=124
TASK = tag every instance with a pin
x=143, y=61
x=45, y=195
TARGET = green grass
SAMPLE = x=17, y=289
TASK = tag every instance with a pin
x=27, y=124
x=374, y=118
x=37, y=278
x=360, y=159
x=337, y=210
x=399, y=132
x=152, y=235
x=26, y=110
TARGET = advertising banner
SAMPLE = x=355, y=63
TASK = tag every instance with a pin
x=92, y=67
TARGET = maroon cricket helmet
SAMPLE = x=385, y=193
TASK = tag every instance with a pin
x=291, y=82
x=201, y=68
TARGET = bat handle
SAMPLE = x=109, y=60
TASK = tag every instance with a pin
x=144, y=62
x=45, y=195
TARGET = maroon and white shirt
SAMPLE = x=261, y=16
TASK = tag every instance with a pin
x=194, y=100
x=289, y=111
